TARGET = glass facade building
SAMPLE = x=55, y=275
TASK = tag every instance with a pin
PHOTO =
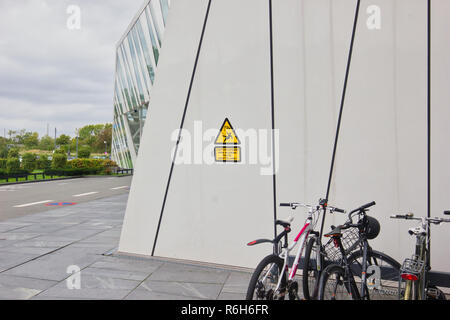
x=137, y=55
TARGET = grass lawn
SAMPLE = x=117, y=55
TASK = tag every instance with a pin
x=41, y=177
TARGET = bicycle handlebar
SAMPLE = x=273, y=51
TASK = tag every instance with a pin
x=294, y=205
x=410, y=216
x=363, y=207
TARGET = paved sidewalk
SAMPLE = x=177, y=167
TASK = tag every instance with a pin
x=36, y=251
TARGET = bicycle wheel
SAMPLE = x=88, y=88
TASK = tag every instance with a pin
x=382, y=271
x=310, y=276
x=333, y=284
x=265, y=278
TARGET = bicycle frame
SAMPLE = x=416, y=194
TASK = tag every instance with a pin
x=351, y=285
x=301, y=238
x=421, y=255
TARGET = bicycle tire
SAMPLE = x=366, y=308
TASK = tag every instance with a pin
x=382, y=269
x=310, y=275
x=334, y=285
x=255, y=291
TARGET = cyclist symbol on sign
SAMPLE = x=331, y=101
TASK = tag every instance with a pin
x=227, y=135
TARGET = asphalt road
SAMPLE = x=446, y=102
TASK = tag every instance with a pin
x=22, y=199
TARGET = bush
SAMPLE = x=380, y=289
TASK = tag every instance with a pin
x=105, y=165
x=59, y=161
x=72, y=171
x=43, y=163
x=12, y=165
x=29, y=161
x=18, y=171
x=3, y=174
x=84, y=152
x=13, y=153
x=60, y=151
x=3, y=163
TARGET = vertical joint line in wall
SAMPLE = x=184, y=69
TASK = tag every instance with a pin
x=181, y=126
x=272, y=97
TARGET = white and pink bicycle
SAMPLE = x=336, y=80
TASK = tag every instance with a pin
x=273, y=278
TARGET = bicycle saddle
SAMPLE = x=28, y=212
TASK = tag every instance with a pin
x=335, y=232
x=282, y=223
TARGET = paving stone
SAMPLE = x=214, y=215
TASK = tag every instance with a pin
x=237, y=282
x=187, y=273
x=115, y=274
x=231, y=296
x=8, y=226
x=195, y=290
x=12, y=287
x=38, y=251
x=82, y=294
x=18, y=235
x=143, y=294
x=12, y=259
x=42, y=228
x=54, y=266
x=128, y=264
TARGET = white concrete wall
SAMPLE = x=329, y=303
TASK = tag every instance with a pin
x=212, y=210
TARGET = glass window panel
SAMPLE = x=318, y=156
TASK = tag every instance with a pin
x=130, y=76
x=154, y=21
x=141, y=60
x=148, y=60
x=165, y=9
x=152, y=33
x=135, y=65
x=127, y=84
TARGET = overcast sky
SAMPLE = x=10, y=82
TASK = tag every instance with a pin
x=51, y=74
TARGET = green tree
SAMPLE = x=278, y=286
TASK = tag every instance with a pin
x=63, y=140
x=46, y=143
x=31, y=140
x=3, y=147
x=89, y=134
x=104, y=135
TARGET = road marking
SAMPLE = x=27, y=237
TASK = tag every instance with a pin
x=116, y=188
x=31, y=204
x=85, y=194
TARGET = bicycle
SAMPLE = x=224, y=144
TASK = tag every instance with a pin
x=376, y=272
x=413, y=283
x=270, y=280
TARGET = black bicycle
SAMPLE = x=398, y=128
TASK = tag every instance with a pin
x=375, y=273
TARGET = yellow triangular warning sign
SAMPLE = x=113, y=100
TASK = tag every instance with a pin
x=226, y=134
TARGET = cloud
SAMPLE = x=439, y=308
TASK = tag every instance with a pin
x=51, y=74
